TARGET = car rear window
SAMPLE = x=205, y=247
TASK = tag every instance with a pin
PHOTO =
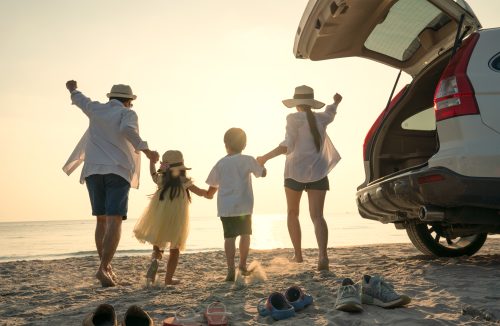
x=397, y=35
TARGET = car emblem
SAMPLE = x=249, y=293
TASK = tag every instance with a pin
x=494, y=63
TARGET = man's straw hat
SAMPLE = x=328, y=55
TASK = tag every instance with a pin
x=121, y=91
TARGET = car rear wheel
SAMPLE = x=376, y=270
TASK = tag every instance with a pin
x=431, y=240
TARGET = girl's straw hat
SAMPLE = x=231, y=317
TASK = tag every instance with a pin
x=174, y=160
x=303, y=95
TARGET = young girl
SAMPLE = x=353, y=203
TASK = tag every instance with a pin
x=166, y=219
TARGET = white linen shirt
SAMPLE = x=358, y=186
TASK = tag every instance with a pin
x=232, y=175
x=111, y=143
x=303, y=162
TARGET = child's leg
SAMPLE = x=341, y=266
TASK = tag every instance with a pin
x=157, y=253
x=244, y=248
x=173, y=259
x=230, y=249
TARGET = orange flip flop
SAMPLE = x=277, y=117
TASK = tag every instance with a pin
x=217, y=315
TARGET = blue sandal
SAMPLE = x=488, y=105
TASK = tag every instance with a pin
x=275, y=306
x=297, y=298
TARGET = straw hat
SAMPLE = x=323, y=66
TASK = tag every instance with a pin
x=174, y=160
x=121, y=91
x=303, y=95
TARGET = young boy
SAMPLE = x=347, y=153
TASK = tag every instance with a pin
x=231, y=177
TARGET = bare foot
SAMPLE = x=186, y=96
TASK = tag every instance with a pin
x=244, y=271
x=297, y=259
x=104, y=278
x=323, y=264
x=173, y=281
x=112, y=274
x=230, y=275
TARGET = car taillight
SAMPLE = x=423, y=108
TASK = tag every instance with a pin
x=455, y=95
x=378, y=122
x=430, y=179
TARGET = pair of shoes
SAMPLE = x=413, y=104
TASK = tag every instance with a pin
x=217, y=315
x=376, y=291
x=282, y=306
x=105, y=315
x=183, y=317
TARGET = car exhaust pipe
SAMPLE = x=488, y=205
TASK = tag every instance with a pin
x=431, y=214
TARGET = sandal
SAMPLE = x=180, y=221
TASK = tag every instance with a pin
x=183, y=317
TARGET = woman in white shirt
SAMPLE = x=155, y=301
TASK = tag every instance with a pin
x=310, y=156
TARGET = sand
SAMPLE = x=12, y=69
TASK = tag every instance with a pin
x=445, y=291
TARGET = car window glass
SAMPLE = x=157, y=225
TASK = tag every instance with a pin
x=424, y=120
x=397, y=35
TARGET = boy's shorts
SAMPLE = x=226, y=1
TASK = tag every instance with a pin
x=236, y=225
x=108, y=194
x=322, y=184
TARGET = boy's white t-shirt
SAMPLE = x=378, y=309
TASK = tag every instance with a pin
x=232, y=175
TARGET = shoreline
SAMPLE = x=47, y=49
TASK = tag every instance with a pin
x=443, y=290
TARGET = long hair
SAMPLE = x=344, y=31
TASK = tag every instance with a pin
x=174, y=183
x=313, y=127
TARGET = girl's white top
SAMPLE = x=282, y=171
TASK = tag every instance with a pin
x=303, y=162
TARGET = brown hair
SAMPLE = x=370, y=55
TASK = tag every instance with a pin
x=311, y=119
x=235, y=140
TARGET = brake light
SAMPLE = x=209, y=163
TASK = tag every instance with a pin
x=430, y=178
x=378, y=122
x=455, y=95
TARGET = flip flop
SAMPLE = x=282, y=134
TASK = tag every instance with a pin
x=216, y=314
x=183, y=317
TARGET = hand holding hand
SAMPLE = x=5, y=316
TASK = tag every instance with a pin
x=152, y=155
x=337, y=98
x=71, y=85
x=261, y=160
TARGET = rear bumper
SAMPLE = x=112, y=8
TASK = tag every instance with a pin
x=461, y=199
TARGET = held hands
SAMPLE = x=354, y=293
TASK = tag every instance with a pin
x=337, y=98
x=71, y=85
x=153, y=156
x=261, y=160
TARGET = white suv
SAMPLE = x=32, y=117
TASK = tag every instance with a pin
x=432, y=158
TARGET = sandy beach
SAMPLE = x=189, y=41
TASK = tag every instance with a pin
x=463, y=291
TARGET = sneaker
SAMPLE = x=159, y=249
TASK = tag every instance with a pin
x=298, y=298
x=376, y=291
x=275, y=306
x=348, y=298
x=151, y=273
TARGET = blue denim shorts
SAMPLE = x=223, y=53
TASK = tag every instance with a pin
x=108, y=194
x=322, y=184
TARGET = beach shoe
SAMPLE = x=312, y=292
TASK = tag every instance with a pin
x=104, y=315
x=183, y=317
x=275, y=306
x=297, y=298
x=376, y=291
x=348, y=298
x=151, y=273
x=217, y=315
x=135, y=316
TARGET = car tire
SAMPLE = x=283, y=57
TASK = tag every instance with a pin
x=421, y=235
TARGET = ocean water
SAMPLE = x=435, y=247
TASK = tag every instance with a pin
x=75, y=238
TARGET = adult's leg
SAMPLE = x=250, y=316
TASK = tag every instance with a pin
x=293, y=204
x=230, y=249
x=316, y=205
x=109, y=245
x=244, y=248
x=100, y=230
x=173, y=260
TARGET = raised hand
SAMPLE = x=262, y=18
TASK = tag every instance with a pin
x=337, y=98
x=71, y=85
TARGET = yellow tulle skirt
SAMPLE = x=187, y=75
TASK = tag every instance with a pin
x=165, y=222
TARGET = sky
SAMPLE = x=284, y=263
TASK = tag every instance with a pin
x=198, y=68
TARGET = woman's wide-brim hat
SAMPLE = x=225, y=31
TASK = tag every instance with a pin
x=121, y=91
x=174, y=160
x=304, y=95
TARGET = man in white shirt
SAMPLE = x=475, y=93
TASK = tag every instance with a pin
x=110, y=151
